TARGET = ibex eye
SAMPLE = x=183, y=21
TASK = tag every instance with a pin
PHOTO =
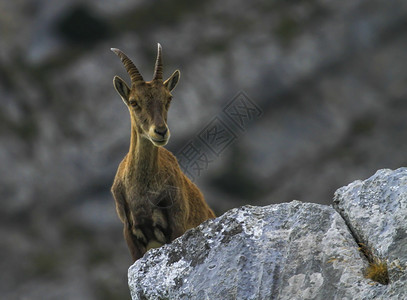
x=134, y=103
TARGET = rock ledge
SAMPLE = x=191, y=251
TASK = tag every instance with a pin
x=287, y=251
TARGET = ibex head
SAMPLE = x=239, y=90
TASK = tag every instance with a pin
x=147, y=101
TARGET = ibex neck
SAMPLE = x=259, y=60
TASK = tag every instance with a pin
x=142, y=158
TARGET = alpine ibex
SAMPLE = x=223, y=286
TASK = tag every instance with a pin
x=155, y=201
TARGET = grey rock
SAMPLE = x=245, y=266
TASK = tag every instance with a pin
x=376, y=211
x=287, y=251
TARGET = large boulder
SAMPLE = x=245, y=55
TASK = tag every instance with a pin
x=287, y=251
x=376, y=213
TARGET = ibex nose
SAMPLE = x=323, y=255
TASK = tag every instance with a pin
x=161, y=130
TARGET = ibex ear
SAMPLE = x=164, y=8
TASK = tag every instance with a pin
x=122, y=88
x=171, y=82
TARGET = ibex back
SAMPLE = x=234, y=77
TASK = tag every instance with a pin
x=155, y=201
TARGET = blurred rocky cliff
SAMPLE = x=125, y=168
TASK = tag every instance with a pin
x=328, y=78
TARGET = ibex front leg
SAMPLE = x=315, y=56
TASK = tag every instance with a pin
x=136, y=249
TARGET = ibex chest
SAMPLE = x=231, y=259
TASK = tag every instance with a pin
x=161, y=192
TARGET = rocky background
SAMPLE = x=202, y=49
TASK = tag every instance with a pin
x=329, y=79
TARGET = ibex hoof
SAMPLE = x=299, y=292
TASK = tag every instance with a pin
x=139, y=235
x=159, y=235
x=153, y=244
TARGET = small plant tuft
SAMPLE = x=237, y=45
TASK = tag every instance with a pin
x=378, y=271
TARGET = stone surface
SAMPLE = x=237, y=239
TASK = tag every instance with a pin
x=287, y=251
x=376, y=211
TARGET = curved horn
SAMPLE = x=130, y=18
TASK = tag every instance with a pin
x=128, y=64
x=158, y=70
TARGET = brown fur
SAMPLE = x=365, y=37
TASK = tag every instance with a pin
x=155, y=201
